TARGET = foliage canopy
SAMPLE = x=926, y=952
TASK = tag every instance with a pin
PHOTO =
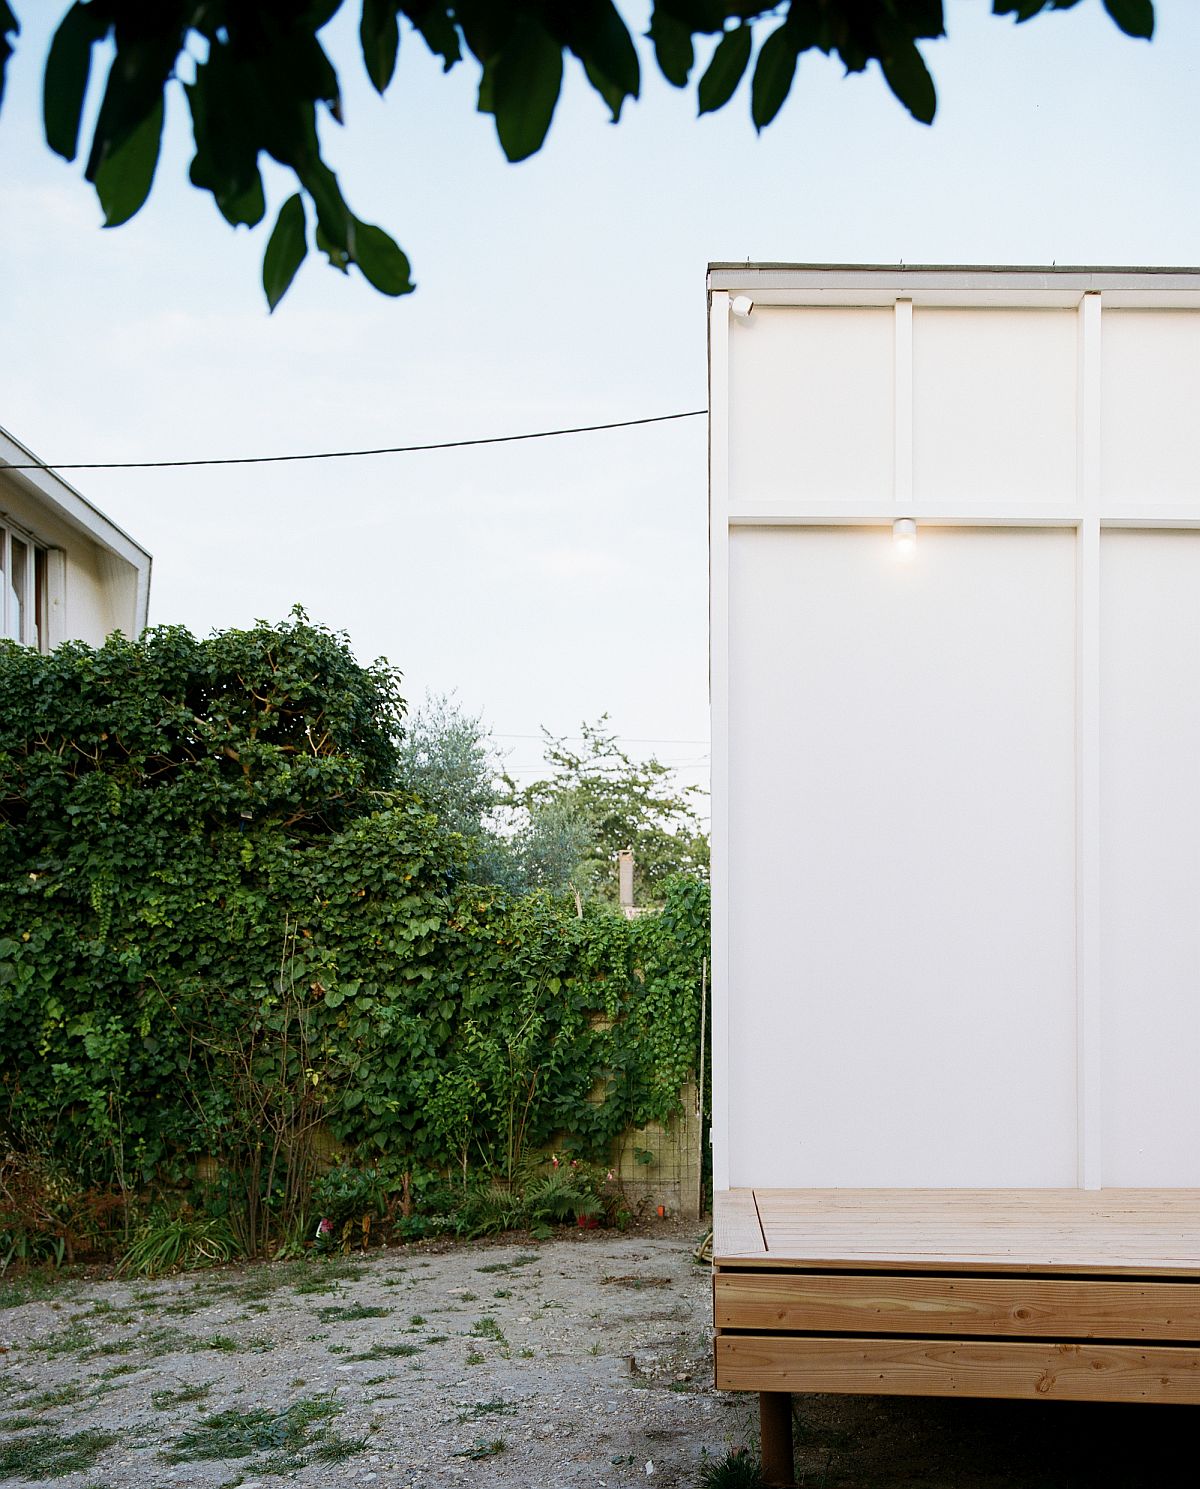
x=257, y=78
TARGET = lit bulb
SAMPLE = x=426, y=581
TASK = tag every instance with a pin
x=904, y=536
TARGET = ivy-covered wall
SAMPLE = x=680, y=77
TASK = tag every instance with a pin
x=224, y=923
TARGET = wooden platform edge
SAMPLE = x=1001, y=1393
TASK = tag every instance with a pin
x=1012, y=1370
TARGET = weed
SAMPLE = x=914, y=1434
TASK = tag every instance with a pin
x=475, y=1358
x=50, y=1454
x=220, y=1342
x=486, y=1409
x=65, y=1395
x=483, y=1449
x=74, y=1339
x=468, y=1297
x=376, y=1380
x=114, y=1371
x=418, y=1319
x=338, y=1349
x=525, y=1354
x=348, y=1312
x=436, y=1338
x=334, y=1448
x=19, y=1424
x=165, y=1400
x=238, y=1433
x=524, y=1259
x=595, y=1349
x=168, y=1243
x=503, y=1292
x=388, y=1352
x=737, y=1470
x=496, y=1267
x=488, y=1328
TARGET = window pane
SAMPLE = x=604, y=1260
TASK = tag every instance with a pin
x=16, y=598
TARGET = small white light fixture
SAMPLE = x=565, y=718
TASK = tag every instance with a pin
x=904, y=536
x=742, y=305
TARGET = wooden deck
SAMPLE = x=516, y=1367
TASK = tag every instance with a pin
x=1039, y=1294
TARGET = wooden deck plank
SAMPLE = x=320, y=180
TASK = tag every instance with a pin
x=880, y=1303
x=737, y=1234
x=1148, y=1232
x=923, y=1367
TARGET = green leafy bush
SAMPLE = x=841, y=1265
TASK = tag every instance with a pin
x=225, y=929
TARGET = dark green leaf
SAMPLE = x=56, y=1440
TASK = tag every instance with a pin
x=380, y=37
x=526, y=81
x=598, y=36
x=382, y=262
x=335, y=252
x=724, y=72
x=672, y=47
x=246, y=210
x=9, y=28
x=439, y=34
x=908, y=78
x=1135, y=17
x=68, y=67
x=286, y=248
x=773, y=74
x=124, y=179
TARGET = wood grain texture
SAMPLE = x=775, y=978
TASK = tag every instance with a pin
x=1013, y=1370
x=1144, y=1232
x=879, y=1303
x=737, y=1234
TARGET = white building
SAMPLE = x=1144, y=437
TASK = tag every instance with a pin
x=67, y=572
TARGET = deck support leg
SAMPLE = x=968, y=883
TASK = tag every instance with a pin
x=775, y=1422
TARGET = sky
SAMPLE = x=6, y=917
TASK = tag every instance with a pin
x=542, y=584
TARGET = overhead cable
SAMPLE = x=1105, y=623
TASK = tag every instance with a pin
x=449, y=444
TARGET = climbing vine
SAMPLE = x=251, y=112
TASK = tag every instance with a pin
x=216, y=893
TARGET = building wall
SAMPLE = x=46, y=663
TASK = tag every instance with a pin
x=956, y=809
x=97, y=590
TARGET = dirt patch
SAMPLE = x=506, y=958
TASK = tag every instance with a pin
x=508, y=1364
x=511, y=1364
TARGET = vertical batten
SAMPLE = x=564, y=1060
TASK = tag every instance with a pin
x=902, y=484
x=718, y=689
x=1087, y=748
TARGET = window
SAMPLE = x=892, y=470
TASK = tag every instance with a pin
x=22, y=588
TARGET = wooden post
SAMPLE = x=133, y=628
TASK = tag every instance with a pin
x=775, y=1425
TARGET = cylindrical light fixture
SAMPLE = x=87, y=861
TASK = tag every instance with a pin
x=904, y=536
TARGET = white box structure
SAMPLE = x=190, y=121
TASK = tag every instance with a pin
x=956, y=799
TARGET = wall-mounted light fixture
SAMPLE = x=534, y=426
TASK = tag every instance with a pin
x=904, y=536
x=741, y=305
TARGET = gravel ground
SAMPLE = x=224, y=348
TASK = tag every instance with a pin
x=583, y=1360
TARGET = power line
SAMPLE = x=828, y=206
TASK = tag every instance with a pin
x=449, y=444
x=624, y=738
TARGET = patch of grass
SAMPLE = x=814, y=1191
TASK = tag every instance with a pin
x=19, y=1424
x=72, y=1340
x=50, y=1454
x=165, y=1400
x=488, y=1328
x=436, y=1339
x=418, y=1319
x=346, y=1313
x=28, y=1287
x=388, y=1352
x=487, y=1409
x=524, y=1259
x=338, y=1349
x=502, y=1292
x=161, y=1341
x=475, y=1358
x=496, y=1267
x=222, y=1343
x=525, y=1354
x=181, y=1310
x=483, y=1449
x=65, y=1395
x=114, y=1371
x=737, y=1470
x=292, y=1437
x=379, y=1380
x=334, y=1448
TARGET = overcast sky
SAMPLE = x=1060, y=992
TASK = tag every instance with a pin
x=553, y=582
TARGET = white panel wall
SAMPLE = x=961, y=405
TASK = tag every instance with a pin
x=814, y=410
x=901, y=858
x=956, y=804
x=1151, y=406
x=1150, y=827
x=994, y=405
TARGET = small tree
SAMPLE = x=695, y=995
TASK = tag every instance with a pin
x=616, y=802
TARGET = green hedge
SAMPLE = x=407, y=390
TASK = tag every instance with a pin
x=223, y=921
